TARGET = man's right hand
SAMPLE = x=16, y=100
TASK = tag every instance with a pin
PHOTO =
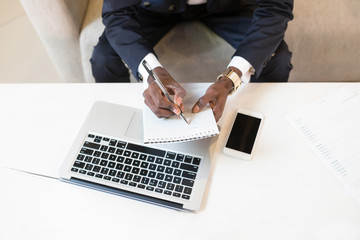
x=157, y=101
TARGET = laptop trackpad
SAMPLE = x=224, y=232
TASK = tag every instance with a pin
x=135, y=127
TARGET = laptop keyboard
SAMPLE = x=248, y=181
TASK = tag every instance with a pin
x=138, y=166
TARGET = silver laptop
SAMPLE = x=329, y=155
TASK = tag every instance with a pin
x=108, y=154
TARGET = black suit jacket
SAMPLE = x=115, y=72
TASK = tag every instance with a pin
x=268, y=27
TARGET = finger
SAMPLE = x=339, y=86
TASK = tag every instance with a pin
x=201, y=103
x=159, y=112
x=161, y=101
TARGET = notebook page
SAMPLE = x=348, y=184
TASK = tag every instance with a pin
x=175, y=129
x=331, y=126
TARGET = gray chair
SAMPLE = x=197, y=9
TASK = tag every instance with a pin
x=322, y=37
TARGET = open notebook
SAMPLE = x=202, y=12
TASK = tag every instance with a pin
x=174, y=129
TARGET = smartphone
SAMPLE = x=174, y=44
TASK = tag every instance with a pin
x=245, y=130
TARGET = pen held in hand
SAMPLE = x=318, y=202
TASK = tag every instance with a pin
x=162, y=87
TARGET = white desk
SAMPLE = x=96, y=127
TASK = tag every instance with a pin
x=285, y=192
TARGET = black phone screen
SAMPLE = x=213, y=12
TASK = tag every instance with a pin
x=243, y=133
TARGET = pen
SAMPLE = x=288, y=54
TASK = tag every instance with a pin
x=161, y=86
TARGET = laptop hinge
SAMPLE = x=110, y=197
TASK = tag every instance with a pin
x=124, y=193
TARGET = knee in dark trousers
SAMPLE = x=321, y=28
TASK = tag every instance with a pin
x=106, y=64
x=278, y=66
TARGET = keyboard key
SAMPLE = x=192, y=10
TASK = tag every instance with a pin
x=127, y=169
x=135, y=155
x=88, y=167
x=177, y=172
x=175, y=164
x=91, y=136
x=80, y=157
x=124, y=182
x=152, y=174
x=187, y=197
x=120, y=174
x=168, y=178
x=132, y=184
x=119, y=151
x=136, y=163
x=196, y=161
x=88, y=159
x=162, y=184
x=106, y=139
x=150, y=188
x=143, y=172
x=179, y=188
x=144, y=149
x=136, y=178
x=152, y=166
x=97, y=154
x=79, y=164
x=104, y=148
x=180, y=157
x=91, y=174
x=170, y=155
x=112, y=157
x=107, y=178
x=128, y=176
x=167, y=162
x=188, y=159
x=187, y=174
x=104, y=155
x=170, y=186
x=82, y=171
x=187, y=182
x=115, y=180
x=159, y=160
x=121, y=144
x=91, y=145
x=128, y=161
x=142, y=186
x=127, y=153
x=176, y=194
x=87, y=151
x=144, y=164
x=143, y=157
x=112, y=142
x=96, y=169
x=74, y=169
x=158, y=190
x=111, y=150
x=151, y=159
x=103, y=163
x=167, y=192
x=135, y=170
x=189, y=167
x=120, y=159
x=169, y=170
x=99, y=175
x=96, y=161
x=119, y=166
x=160, y=168
x=160, y=176
x=187, y=190
x=177, y=180
x=153, y=182
x=145, y=180
x=112, y=173
x=111, y=164
x=104, y=171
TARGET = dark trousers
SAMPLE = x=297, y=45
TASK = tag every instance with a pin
x=107, y=65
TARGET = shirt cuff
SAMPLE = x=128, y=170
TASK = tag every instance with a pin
x=153, y=63
x=244, y=66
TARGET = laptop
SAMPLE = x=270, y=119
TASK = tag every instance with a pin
x=108, y=154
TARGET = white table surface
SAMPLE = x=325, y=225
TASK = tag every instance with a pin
x=285, y=192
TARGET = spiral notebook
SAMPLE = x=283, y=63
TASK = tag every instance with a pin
x=174, y=129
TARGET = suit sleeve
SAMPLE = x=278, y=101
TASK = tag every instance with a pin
x=124, y=32
x=266, y=32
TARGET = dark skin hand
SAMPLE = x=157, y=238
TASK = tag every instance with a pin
x=215, y=95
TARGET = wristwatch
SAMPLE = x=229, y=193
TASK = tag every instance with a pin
x=232, y=75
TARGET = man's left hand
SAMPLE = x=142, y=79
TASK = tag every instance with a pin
x=216, y=96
